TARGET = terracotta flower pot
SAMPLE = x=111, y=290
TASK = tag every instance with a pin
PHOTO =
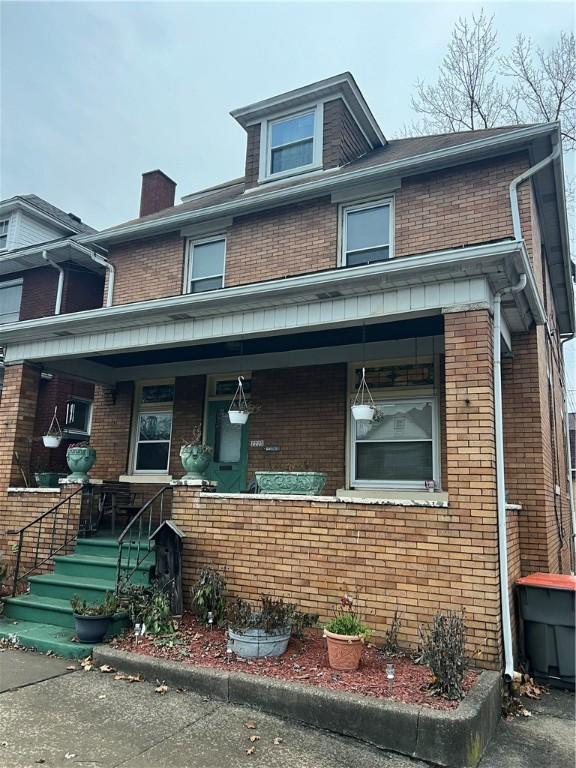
x=344, y=651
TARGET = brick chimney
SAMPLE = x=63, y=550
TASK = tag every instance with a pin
x=158, y=191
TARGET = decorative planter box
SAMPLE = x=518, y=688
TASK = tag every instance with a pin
x=304, y=483
x=257, y=644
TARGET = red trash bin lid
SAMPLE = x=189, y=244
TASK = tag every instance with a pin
x=549, y=580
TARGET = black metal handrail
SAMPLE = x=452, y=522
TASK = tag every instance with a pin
x=56, y=529
x=151, y=513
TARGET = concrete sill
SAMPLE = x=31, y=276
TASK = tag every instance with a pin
x=146, y=479
x=34, y=490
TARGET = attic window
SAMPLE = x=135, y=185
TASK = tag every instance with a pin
x=4, y=233
x=292, y=144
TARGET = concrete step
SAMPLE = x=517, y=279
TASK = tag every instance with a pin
x=108, y=547
x=50, y=610
x=44, y=638
x=66, y=587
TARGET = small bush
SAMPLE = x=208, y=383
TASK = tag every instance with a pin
x=443, y=652
x=107, y=607
x=148, y=605
x=208, y=596
x=390, y=645
x=271, y=616
x=346, y=621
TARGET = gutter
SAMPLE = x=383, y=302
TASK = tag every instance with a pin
x=198, y=305
x=415, y=164
x=103, y=261
x=59, y=289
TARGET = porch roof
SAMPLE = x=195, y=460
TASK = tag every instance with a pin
x=405, y=287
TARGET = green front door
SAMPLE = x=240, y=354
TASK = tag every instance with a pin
x=229, y=465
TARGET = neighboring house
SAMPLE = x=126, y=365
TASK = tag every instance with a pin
x=44, y=271
x=340, y=251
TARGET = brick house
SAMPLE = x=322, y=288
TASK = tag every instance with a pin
x=438, y=264
x=44, y=271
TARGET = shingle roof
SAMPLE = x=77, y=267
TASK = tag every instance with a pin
x=395, y=149
x=70, y=221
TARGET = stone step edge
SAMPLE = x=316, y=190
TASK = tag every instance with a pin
x=453, y=738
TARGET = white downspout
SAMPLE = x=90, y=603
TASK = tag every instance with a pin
x=103, y=261
x=514, y=184
x=509, y=672
x=60, y=288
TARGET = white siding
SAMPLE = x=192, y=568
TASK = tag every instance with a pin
x=29, y=231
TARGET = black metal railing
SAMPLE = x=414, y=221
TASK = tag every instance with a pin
x=134, y=544
x=51, y=532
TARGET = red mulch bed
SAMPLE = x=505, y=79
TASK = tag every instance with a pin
x=305, y=661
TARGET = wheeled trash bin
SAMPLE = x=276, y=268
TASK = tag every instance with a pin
x=546, y=603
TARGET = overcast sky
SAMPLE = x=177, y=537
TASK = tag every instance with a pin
x=93, y=94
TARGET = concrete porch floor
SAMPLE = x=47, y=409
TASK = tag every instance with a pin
x=49, y=712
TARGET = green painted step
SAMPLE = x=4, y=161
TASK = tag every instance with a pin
x=44, y=638
x=50, y=610
x=101, y=547
x=100, y=568
x=65, y=587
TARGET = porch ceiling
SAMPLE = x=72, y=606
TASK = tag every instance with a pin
x=407, y=288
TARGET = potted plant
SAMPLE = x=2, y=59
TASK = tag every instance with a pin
x=46, y=479
x=93, y=620
x=363, y=407
x=345, y=636
x=53, y=436
x=80, y=458
x=254, y=634
x=292, y=481
x=239, y=409
x=195, y=456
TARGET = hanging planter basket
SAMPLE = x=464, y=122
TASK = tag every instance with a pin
x=238, y=411
x=363, y=408
x=53, y=437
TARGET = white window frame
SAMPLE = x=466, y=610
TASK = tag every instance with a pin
x=71, y=431
x=138, y=408
x=402, y=484
x=190, y=245
x=265, y=164
x=12, y=284
x=4, y=234
x=345, y=209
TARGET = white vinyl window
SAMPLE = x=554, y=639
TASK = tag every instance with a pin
x=10, y=298
x=4, y=234
x=153, y=427
x=292, y=143
x=206, y=260
x=400, y=448
x=367, y=233
x=78, y=416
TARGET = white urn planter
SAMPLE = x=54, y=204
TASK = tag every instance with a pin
x=238, y=417
x=363, y=412
x=51, y=441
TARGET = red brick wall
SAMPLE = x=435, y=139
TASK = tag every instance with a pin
x=282, y=242
x=147, y=269
x=252, y=168
x=82, y=290
x=303, y=412
x=17, y=415
x=111, y=424
x=343, y=139
x=447, y=209
x=188, y=412
x=38, y=292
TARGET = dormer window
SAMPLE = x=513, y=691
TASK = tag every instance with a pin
x=4, y=233
x=291, y=144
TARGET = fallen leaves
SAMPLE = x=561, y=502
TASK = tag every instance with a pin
x=254, y=738
x=105, y=668
x=128, y=678
x=72, y=668
x=277, y=740
x=87, y=664
x=162, y=688
x=250, y=724
x=250, y=750
x=69, y=755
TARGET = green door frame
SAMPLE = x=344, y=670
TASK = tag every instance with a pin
x=231, y=476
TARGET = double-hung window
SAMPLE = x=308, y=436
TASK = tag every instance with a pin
x=4, y=234
x=206, y=260
x=366, y=233
x=292, y=144
x=399, y=448
x=10, y=298
x=153, y=427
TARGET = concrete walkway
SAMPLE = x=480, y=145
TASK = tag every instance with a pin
x=54, y=717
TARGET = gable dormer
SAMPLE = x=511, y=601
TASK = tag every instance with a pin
x=312, y=129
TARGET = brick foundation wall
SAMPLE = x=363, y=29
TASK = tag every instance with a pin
x=410, y=559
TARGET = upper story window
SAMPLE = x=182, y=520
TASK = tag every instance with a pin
x=4, y=234
x=291, y=144
x=206, y=259
x=367, y=233
x=10, y=297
